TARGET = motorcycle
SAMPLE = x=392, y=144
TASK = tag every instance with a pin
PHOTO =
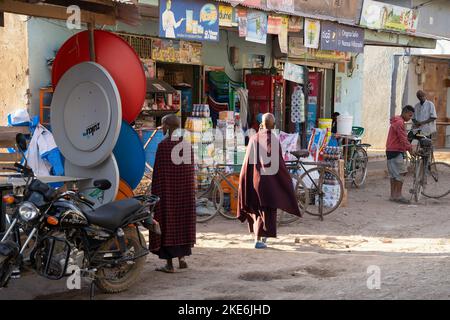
x=64, y=234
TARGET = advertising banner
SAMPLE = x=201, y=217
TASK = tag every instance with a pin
x=341, y=38
x=293, y=72
x=256, y=27
x=378, y=15
x=274, y=25
x=312, y=33
x=196, y=20
x=165, y=50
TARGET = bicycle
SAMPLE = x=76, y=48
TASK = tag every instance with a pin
x=319, y=190
x=356, y=158
x=430, y=178
x=209, y=197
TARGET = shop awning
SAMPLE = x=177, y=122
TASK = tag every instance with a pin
x=159, y=86
x=104, y=12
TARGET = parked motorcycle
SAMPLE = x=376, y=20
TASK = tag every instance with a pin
x=63, y=233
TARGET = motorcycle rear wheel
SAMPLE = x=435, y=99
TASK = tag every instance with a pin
x=108, y=285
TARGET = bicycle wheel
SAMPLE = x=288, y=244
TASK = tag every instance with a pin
x=359, y=167
x=208, y=201
x=227, y=210
x=285, y=218
x=323, y=193
x=437, y=180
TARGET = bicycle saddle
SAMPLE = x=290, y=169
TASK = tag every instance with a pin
x=300, y=154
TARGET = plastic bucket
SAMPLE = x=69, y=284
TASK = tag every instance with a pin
x=344, y=125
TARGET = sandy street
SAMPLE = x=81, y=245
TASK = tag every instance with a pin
x=335, y=259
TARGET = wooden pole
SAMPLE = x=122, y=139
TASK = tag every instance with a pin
x=91, y=27
x=2, y=19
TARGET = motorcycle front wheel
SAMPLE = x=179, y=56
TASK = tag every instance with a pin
x=120, y=278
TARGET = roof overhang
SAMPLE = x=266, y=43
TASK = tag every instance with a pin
x=103, y=12
x=389, y=39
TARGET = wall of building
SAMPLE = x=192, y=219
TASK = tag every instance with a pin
x=377, y=93
x=350, y=91
x=46, y=36
x=13, y=65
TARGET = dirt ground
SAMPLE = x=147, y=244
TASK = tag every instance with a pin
x=310, y=259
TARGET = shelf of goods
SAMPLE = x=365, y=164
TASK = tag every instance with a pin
x=201, y=136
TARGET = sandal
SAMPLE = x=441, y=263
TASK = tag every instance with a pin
x=165, y=269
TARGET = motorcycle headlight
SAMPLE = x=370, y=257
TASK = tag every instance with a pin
x=28, y=211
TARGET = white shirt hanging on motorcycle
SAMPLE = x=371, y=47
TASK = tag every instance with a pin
x=41, y=144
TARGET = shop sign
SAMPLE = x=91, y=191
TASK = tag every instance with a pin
x=227, y=16
x=341, y=38
x=299, y=51
x=274, y=25
x=281, y=5
x=295, y=24
x=186, y=52
x=189, y=19
x=293, y=72
x=256, y=26
x=312, y=33
x=378, y=15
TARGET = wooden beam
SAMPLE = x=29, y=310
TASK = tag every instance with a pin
x=9, y=157
x=381, y=38
x=2, y=19
x=53, y=12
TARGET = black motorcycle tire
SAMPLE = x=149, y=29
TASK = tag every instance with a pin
x=118, y=285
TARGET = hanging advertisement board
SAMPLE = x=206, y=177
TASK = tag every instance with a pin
x=341, y=38
x=256, y=27
x=379, y=15
x=189, y=19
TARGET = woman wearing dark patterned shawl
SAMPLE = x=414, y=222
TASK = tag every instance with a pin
x=173, y=181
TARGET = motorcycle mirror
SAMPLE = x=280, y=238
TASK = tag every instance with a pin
x=21, y=142
x=102, y=184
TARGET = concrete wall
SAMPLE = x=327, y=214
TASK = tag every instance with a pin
x=13, y=65
x=46, y=36
x=377, y=85
x=351, y=92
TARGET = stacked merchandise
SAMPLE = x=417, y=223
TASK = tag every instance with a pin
x=202, y=139
x=230, y=145
x=331, y=154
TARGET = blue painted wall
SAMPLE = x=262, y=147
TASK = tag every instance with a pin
x=352, y=92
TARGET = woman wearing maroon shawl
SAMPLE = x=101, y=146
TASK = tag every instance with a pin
x=173, y=181
x=265, y=184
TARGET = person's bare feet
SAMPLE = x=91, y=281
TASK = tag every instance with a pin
x=182, y=263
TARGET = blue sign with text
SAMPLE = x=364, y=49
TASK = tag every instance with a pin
x=195, y=20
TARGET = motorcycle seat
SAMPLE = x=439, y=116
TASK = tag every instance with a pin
x=112, y=215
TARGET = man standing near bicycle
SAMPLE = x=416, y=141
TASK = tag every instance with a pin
x=425, y=115
x=396, y=145
x=264, y=184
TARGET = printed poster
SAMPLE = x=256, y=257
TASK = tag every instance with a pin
x=166, y=50
x=341, y=38
x=256, y=27
x=378, y=15
x=226, y=16
x=196, y=20
x=274, y=25
x=283, y=36
x=312, y=33
x=295, y=24
x=293, y=72
x=242, y=20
